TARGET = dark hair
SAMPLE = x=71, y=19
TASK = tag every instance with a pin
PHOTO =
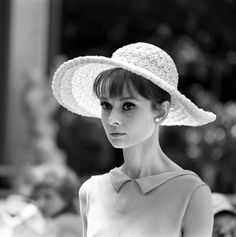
x=225, y=212
x=117, y=78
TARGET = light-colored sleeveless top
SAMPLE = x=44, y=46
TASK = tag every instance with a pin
x=152, y=206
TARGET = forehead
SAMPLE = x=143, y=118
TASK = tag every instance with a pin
x=116, y=89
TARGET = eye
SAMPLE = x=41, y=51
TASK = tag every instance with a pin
x=128, y=106
x=106, y=106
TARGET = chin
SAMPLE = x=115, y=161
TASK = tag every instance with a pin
x=121, y=145
x=118, y=145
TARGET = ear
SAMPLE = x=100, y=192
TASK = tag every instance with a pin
x=162, y=111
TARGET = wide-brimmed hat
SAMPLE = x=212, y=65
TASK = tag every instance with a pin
x=73, y=82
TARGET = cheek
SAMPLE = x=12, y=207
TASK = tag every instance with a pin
x=142, y=128
x=145, y=129
x=104, y=122
x=144, y=122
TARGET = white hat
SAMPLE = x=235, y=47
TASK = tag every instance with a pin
x=73, y=82
x=221, y=203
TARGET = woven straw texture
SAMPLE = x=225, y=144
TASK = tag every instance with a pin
x=73, y=82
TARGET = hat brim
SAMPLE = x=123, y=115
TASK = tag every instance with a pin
x=73, y=88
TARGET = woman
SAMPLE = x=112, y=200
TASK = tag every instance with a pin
x=134, y=93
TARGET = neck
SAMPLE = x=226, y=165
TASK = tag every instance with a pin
x=146, y=159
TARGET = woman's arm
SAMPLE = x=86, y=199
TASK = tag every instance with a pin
x=198, y=217
x=83, y=203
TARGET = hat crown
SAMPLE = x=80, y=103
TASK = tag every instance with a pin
x=151, y=58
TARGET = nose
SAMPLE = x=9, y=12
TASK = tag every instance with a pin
x=114, y=120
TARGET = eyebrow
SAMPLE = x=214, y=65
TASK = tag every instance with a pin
x=128, y=98
x=121, y=99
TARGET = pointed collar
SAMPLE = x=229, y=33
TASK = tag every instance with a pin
x=146, y=184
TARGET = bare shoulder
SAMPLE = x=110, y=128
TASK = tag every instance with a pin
x=198, y=217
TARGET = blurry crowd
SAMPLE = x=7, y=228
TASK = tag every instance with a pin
x=45, y=204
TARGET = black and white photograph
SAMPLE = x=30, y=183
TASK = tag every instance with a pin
x=117, y=118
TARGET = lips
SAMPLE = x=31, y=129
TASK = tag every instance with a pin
x=117, y=134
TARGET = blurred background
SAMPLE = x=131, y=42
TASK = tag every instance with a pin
x=36, y=36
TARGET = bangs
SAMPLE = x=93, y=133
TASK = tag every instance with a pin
x=113, y=82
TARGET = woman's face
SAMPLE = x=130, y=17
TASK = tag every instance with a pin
x=127, y=120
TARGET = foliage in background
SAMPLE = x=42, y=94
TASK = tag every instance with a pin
x=209, y=150
x=199, y=35
x=39, y=107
